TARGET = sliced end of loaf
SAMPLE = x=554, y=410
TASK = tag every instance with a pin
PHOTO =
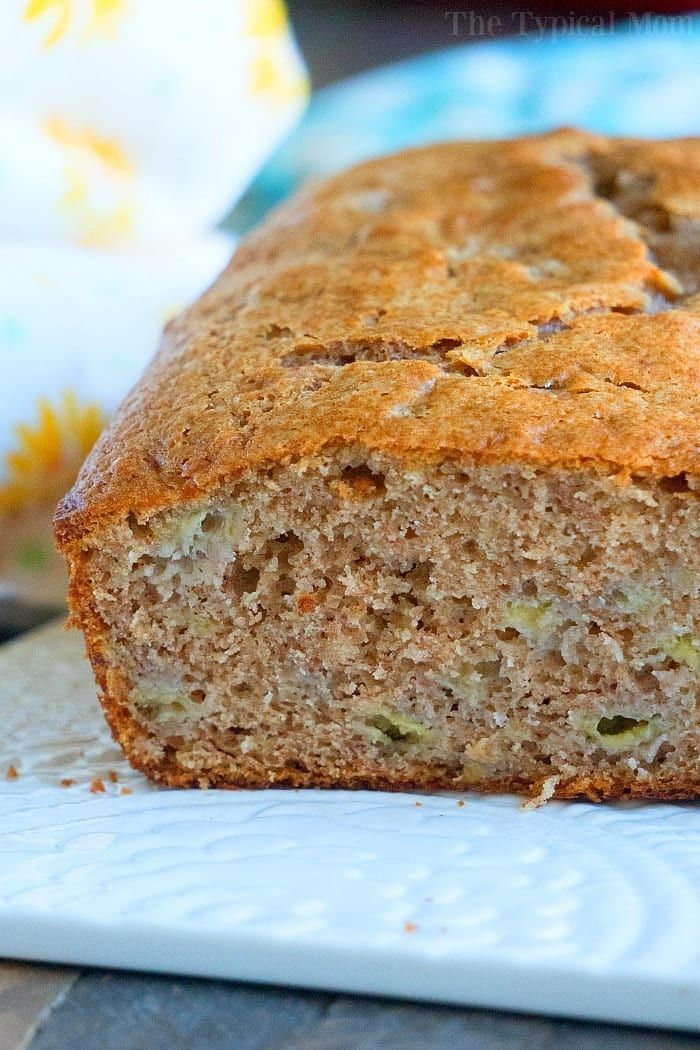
x=351, y=624
x=345, y=622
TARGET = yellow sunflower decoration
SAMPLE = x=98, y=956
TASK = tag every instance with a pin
x=49, y=452
x=38, y=470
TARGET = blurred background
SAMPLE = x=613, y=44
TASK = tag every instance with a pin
x=341, y=37
x=139, y=141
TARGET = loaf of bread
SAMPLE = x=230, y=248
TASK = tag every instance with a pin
x=410, y=497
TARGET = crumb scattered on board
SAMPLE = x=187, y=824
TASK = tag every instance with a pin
x=11, y=773
x=410, y=927
x=97, y=784
x=547, y=789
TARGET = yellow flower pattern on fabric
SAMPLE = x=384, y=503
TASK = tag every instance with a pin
x=97, y=226
x=106, y=150
x=48, y=454
x=103, y=18
x=267, y=18
x=270, y=80
x=60, y=9
x=270, y=75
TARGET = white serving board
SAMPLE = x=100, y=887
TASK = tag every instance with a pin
x=575, y=909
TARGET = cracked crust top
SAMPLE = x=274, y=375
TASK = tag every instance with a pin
x=530, y=301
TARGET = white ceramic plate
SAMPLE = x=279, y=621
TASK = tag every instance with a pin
x=589, y=911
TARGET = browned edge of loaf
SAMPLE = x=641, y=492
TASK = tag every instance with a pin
x=193, y=422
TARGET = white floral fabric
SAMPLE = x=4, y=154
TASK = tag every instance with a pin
x=127, y=130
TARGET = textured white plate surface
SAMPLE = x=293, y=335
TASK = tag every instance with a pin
x=591, y=911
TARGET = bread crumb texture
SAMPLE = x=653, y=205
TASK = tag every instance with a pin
x=410, y=496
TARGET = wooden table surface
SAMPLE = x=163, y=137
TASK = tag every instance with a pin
x=50, y=1008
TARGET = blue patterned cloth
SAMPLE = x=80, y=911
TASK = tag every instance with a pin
x=632, y=81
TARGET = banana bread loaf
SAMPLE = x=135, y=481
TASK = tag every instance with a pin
x=409, y=498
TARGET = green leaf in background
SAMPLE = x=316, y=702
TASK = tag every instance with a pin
x=33, y=556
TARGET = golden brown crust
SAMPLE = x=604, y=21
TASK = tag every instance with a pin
x=476, y=301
